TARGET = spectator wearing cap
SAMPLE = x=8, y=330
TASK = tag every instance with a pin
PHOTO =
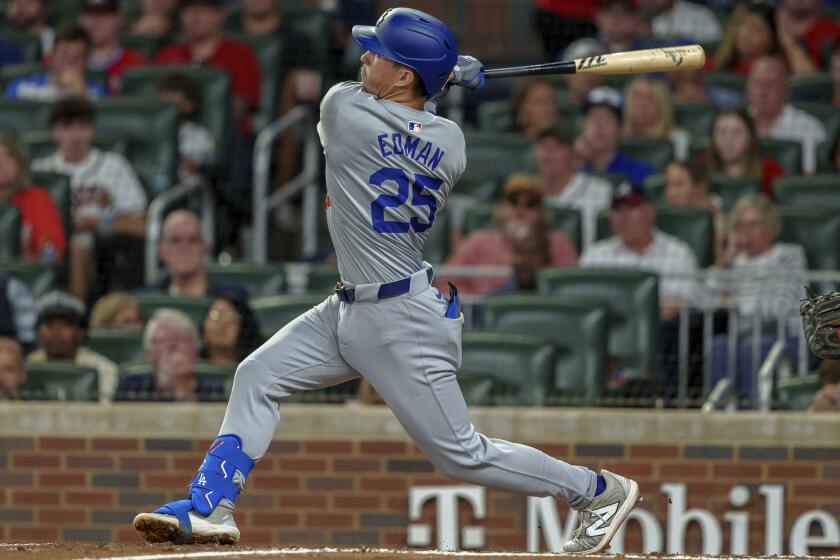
x=578, y=86
x=566, y=186
x=637, y=244
x=171, y=343
x=107, y=198
x=519, y=210
x=205, y=43
x=61, y=332
x=183, y=250
x=768, y=95
x=597, y=144
x=805, y=23
x=533, y=104
x=679, y=19
x=17, y=310
x=12, y=370
x=65, y=75
x=104, y=22
x=30, y=17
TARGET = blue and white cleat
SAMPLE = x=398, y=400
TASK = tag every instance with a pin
x=207, y=515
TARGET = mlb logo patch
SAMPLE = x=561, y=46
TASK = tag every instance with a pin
x=415, y=126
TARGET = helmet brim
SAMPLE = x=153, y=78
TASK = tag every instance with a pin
x=365, y=35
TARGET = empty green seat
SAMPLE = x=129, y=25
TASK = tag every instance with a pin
x=494, y=116
x=479, y=187
x=566, y=220
x=730, y=189
x=655, y=151
x=150, y=129
x=787, y=152
x=655, y=188
x=814, y=88
x=214, y=83
x=695, y=118
x=577, y=330
x=631, y=298
x=9, y=232
x=322, y=278
x=797, y=393
x=817, y=230
x=518, y=369
x=257, y=280
x=194, y=307
x=275, y=312
x=58, y=185
x=20, y=115
x=812, y=191
x=118, y=345
x=59, y=381
x=496, y=154
x=146, y=45
x=39, y=279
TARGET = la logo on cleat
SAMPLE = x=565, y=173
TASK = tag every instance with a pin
x=202, y=481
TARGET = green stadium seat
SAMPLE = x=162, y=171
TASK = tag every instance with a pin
x=39, y=279
x=118, y=345
x=148, y=46
x=727, y=80
x=655, y=188
x=195, y=307
x=150, y=129
x=786, y=152
x=655, y=151
x=215, y=94
x=578, y=332
x=58, y=185
x=815, y=88
x=274, y=312
x=62, y=13
x=9, y=232
x=817, y=231
x=808, y=191
x=216, y=372
x=826, y=113
x=631, y=298
x=11, y=72
x=797, y=393
x=498, y=155
x=519, y=369
x=494, y=116
x=257, y=280
x=268, y=50
x=566, y=220
x=694, y=226
x=21, y=115
x=59, y=381
x=436, y=248
x=479, y=187
x=730, y=189
x=27, y=44
x=695, y=118
x=321, y=279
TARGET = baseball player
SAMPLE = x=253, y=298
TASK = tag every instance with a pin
x=389, y=166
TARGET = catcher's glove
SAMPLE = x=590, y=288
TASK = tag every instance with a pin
x=821, y=322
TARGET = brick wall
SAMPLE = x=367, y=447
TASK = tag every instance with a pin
x=342, y=487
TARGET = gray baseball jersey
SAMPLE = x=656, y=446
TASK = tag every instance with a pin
x=389, y=169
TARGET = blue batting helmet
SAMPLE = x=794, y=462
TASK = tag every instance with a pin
x=414, y=39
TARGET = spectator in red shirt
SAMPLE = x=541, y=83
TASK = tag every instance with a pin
x=202, y=22
x=41, y=229
x=734, y=150
x=103, y=22
x=803, y=20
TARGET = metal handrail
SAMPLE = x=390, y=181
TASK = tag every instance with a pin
x=305, y=181
x=764, y=387
x=154, y=221
x=720, y=396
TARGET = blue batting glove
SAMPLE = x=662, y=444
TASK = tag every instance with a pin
x=468, y=72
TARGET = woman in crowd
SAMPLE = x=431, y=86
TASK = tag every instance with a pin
x=117, y=310
x=230, y=332
x=648, y=114
x=734, y=150
x=533, y=104
x=687, y=186
x=761, y=279
x=42, y=236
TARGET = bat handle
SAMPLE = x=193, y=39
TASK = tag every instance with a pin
x=566, y=67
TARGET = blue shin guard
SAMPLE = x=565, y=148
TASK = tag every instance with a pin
x=213, y=482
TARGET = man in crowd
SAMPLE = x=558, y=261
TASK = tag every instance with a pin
x=65, y=75
x=17, y=310
x=565, y=185
x=680, y=19
x=61, y=332
x=805, y=22
x=183, y=250
x=103, y=21
x=12, y=370
x=619, y=25
x=171, y=343
x=768, y=95
x=597, y=144
x=30, y=17
x=108, y=199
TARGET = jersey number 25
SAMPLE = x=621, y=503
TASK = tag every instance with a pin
x=418, y=198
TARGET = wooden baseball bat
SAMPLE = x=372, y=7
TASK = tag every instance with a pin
x=669, y=59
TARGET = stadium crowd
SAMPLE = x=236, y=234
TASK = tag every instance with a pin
x=722, y=182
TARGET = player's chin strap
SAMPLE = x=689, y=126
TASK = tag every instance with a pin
x=215, y=480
